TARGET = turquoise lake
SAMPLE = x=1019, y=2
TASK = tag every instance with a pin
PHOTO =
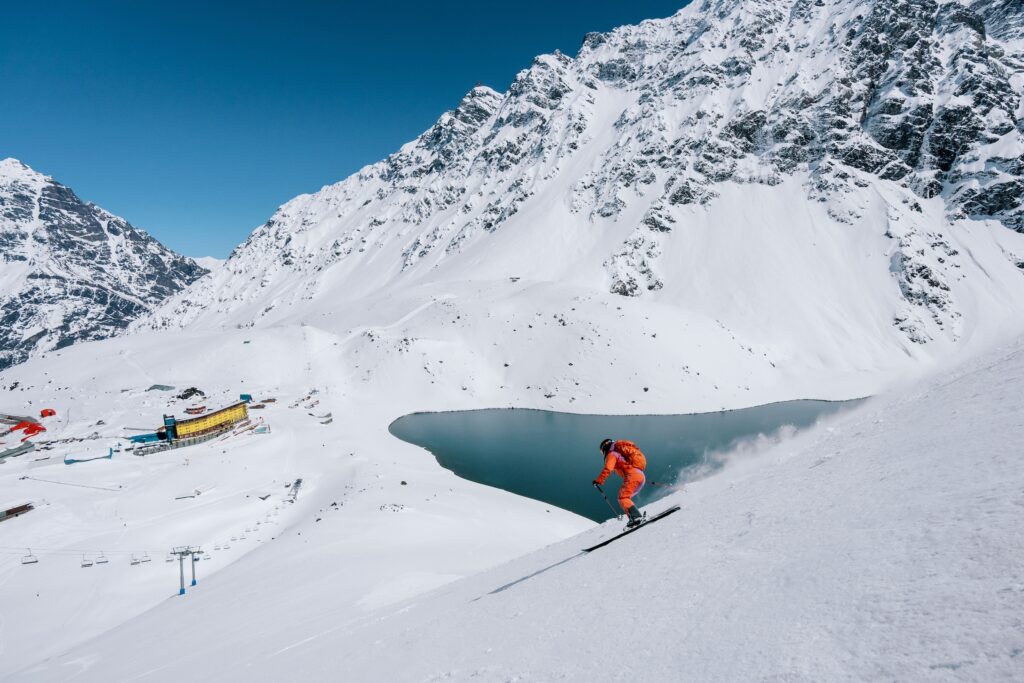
x=553, y=457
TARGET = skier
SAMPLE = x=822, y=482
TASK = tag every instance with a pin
x=627, y=460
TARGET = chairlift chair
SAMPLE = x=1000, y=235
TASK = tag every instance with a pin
x=169, y=558
x=86, y=562
x=102, y=559
x=227, y=546
x=217, y=546
x=234, y=538
x=145, y=557
x=134, y=560
x=30, y=558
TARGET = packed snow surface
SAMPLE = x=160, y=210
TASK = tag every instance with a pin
x=885, y=545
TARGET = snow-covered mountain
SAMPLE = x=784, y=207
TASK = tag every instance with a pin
x=739, y=160
x=70, y=271
x=736, y=205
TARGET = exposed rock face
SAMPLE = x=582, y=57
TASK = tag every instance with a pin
x=648, y=123
x=69, y=270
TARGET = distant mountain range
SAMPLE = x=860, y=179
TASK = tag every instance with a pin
x=70, y=271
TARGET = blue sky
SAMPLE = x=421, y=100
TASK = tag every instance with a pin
x=195, y=120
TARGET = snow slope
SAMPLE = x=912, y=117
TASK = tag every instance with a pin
x=390, y=540
x=887, y=545
x=352, y=512
x=602, y=238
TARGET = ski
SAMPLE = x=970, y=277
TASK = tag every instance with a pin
x=655, y=518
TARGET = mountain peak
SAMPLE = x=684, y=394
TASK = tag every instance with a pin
x=477, y=105
x=11, y=164
x=481, y=90
x=13, y=169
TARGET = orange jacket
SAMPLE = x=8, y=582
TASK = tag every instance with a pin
x=614, y=461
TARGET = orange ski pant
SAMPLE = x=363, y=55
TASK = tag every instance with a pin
x=631, y=485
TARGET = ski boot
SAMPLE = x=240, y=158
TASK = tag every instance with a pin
x=636, y=518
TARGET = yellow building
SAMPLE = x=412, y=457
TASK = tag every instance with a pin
x=212, y=422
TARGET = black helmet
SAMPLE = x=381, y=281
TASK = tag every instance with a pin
x=606, y=445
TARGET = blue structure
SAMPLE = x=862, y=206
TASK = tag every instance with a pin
x=68, y=460
x=245, y=397
x=165, y=433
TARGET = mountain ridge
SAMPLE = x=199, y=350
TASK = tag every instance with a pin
x=70, y=270
x=903, y=121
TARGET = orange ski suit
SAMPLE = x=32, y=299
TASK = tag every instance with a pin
x=633, y=479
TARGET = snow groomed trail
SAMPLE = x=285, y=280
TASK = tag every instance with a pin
x=886, y=545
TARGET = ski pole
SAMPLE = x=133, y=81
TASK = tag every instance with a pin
x=601, y=491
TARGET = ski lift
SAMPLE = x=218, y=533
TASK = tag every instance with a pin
x=227, y=546
x=145, y=557
x=169, y=558
x=102, y=559
x=234, y=538
x=86, y=562
x=241, y=537
x=134, y=561
x=30, y=558
x=216, y=546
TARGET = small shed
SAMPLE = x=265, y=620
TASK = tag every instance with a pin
x=47, y=412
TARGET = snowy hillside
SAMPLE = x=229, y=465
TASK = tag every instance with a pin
x=70, y=271
x=380, y=511
x=886, y=546
x=743, y=163
x=744, y=203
